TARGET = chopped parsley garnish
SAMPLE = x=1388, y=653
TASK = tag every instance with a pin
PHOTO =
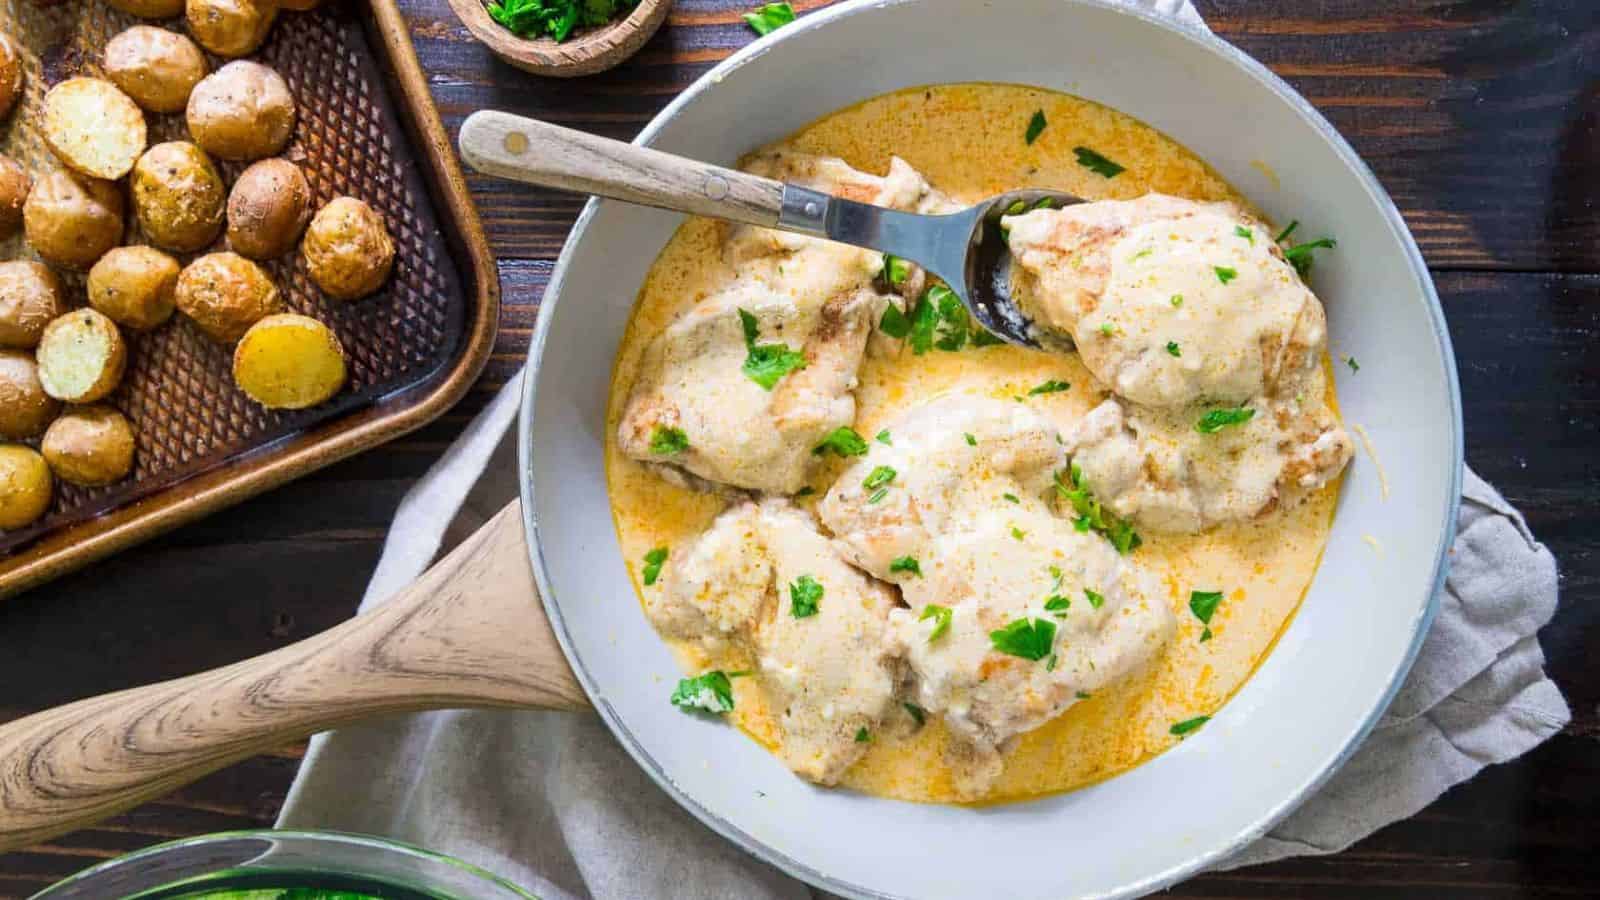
x=894, y=322
x=1027, y=638
x=1351, y=362
x=652, y=565
x=1108, y=329
x=895, y=270
x=1187, y=725
x=1284, y=234
x=805, y=593
x=1140, y=255
x=1018, y=533
x=884, y=439
x=843, y=441
x=1050, y=664
x=1036, y=126
x=1177, y=300
x=1017, y=208
x=1049, y=387
x=1204, y=604
x=863, y=735
x=1057, y=604
x=878, y=477
x=939, y=321
x=906, y=564
x=1072, y=488
x=1225, y=274
x=1299, y=255
x=766, y=363
x=1173, y=349
x=1010, y=497
x=1082, y=695
x=940, y=615
x=710, y=691
x=924, y=322
x=1245, y=233
x=806, y=491
x=917, y=712
x=769, y=18
x=971, y=441
x=666, y=441
x=1218, y=419
x=555, y=19
x=1096, y=163
x=877, y=495
x=982, y=337
x=1095, y=600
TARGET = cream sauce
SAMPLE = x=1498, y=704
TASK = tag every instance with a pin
x=967, y=140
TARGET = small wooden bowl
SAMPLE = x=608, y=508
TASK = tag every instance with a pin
x=585, y=53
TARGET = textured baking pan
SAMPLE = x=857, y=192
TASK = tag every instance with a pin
x=367, y=127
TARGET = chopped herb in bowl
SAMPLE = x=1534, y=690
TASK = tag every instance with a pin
x=556, y=19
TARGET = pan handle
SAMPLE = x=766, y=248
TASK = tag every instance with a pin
x=469, y=632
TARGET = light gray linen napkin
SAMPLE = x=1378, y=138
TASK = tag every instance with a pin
x=553, y=803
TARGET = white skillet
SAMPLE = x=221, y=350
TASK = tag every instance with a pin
x=468, y=634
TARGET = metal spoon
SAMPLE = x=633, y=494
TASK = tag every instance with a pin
x=964, y=249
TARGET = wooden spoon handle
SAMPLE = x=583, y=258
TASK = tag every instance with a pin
x=469, y=632
x=509, y=146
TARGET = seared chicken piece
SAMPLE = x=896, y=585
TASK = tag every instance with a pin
x=763, y=578
x=964, y=524
x=1169, y=301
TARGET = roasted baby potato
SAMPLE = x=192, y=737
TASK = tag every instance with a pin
x=230, y=27
x=148, y=9
x=348, y=249
x=241, y=111
x=81, y=357
x=14, y=185
x=93, y=127
x=156, y=67
x=225, y=294
x=24, y=486
x=268, y=209
x=10, y=74
x=72, y=220
x=134, y=286
x=289, y=361
x=178, y=196
x=25, y=409
x=91, y=446
x=30, y=298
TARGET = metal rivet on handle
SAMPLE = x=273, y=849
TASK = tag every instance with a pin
x=812, y=209
x=516, y=143
x=716, y=187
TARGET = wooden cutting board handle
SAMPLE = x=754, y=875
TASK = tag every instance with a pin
x=469, y=632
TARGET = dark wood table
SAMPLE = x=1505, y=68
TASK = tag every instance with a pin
x=1481, y=117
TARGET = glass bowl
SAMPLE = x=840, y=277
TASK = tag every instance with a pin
x=299, y=864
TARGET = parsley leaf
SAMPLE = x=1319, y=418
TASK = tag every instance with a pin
x=982, y=337
x=1108, y=329
x=666, y=441
x=1057, y=604
x=767, y=19
x=843, y=441
x=1177, y=300
x=1173, y=349
x=1225, y=274
x=1351, y=362
x=652, y=565
x=1049, y=387
x=894, y=322
x=1018, y=533
x=1096, y=163
x=971, y=441
x=906, y=564
x=1095, y=600
x=554, y=19
x=766, y=363
x=878, y=477
x=940, y=615
x=1284, y=234
x=1027, y=638
x=710, y=691
x=1082, y=695
x=954, y=321
x=1036, y=125
x=863, y=735
x=806, y=491
x=1187, y=725
x=1011, y=498
x=1299, y=255
x=1071, y=487
x=1218, y=419
x=917, y=712
x=895, y=270
x=884, y=439
x=1204, y=604
x=877, y=495
x=804, y=594
x=1245, y=233
x=924, y=321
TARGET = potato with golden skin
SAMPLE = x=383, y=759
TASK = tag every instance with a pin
x=156, y=67
x=178, y=196
x=93, y=127
x=134, y=286
x=89, y=446
x=148, y=9
x=25, y=487
x=71, y=221
x=289, y=361
x=10, y=74
x=268, y=209
x=242, y=111
x=230, y=27
x=81, y=357
x=14, y=187
x=224, y=294
x=30, y=299
x=347, y=248
x=25, y=409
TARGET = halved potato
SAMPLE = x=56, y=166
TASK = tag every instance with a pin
x=225, y=294
x=156, y=67
x=10, y=74
x=289, y=361
x=30, y=299
x=24, y=486
x=14, y=186
x=94, y=127
x=25, y=409
x=81, y=357
x=90, y=445
x=178, y=196
x=135, y=286
x=72, y=220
